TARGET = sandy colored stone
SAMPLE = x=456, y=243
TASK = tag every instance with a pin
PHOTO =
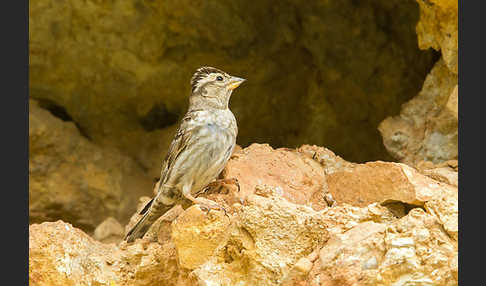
x=269, y=237
x=446, y=208
x=411, y=250
x=73, y=179
x=330, y=161
x=60, y=254
x=197, y=235
x=109, y=231
x=443, y=174
x=438, y=29
x=426, y=129
x=297, y=178
x=382, y=182
x=267, y=241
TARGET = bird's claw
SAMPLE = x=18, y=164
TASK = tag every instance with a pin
x=208, y=207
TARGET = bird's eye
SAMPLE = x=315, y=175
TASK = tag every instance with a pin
x=220, y=78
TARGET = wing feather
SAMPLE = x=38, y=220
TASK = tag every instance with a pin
x=179, y=143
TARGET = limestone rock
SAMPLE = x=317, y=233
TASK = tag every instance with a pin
x=266, y=241
x=73, y=179
x=445, y=207
x=298, y=178
x=330, y=161
x=413, y=249
x=438, y=29
x=197, y=235
x=269, y=237
x=109, y=231
x=382, y=182
x=60, y=254
x=446, y=172
x=426, y=128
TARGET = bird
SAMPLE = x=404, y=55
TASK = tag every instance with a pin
x=199, y=151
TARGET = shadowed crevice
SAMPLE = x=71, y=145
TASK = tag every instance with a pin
x=60, y=112
x=158, y=117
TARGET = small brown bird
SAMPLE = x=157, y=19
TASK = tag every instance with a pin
x=200, y=150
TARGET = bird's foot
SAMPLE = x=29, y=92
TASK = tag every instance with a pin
x=207, y=205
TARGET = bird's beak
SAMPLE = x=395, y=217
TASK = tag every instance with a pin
x=235, y=82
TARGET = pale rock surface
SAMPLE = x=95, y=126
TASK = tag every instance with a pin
x=110, y=230
x=426, y=128
x=445, y=207
x=268, y=238
x=410, y=251
x=197, y=235
x=447, y=172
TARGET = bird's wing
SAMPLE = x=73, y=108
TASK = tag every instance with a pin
x=178, y=144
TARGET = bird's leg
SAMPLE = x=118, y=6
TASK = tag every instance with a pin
x=219, y=183
x=203, y=203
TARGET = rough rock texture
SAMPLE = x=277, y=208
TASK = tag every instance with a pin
x=269, y=239
x=110, y=230
x=300, y=179
x=60, y=254
x=438, y=29
x=411, y=251
x=335, y=69
x=426, y=128
x=73, y=179
x=382, y=182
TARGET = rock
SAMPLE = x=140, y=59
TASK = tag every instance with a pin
x=382, y=182
x=426, y=129
x=121, y=71
x=197, y=235
x=445, y=207
x=60, y=254
x=297, y=178
x=438, y=29
x=330, y=161
x=109, y=231
x=413, y=249
x=270, y=235
x=446, y=172
x=73, y=179
x=266, y=241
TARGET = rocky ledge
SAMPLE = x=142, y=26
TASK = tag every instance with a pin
x=302, y=217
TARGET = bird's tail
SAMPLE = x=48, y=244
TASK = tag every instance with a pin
x=140, y=228
x=151, y=212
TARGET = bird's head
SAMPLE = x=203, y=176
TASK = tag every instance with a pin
x=212, y=87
